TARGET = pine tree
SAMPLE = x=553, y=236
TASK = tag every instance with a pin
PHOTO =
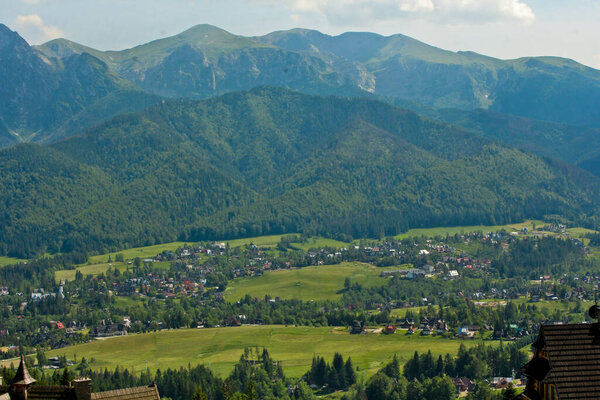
x=349, y=373
x=66, y=377
x=251, y=392
x=439, y=366
x=199, y=394
x=392, y=369
x=509, y=393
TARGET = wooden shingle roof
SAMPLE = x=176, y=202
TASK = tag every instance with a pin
x=573, y=352
x=135, y=393
x=22, y=377
x=42, y=392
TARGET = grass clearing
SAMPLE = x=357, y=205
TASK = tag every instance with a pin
x=220, y=348
x=453, y=230
x=322, y=282
x=141, y=252
x=260, y=241
x=97, y=269
x=10, y=260
x=401, y=312
x=580, y=232
x=320, y=242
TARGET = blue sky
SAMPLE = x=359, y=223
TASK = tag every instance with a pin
x=499, y=28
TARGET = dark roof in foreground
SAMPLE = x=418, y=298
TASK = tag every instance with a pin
x=22, y=377
x=42, y=392
x=573, y=365
x=135, y=393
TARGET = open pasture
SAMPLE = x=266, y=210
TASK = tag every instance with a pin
x=322, y=282
x=141, y=252
x=101, y=268
x=452, y=230
x=220, y=348
x=9, y=261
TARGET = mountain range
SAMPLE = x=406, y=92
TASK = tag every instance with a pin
x=267, y=161
x=539, y=104
x=206, y=135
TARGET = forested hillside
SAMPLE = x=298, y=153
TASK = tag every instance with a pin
x=268, y=161
x=541, y=105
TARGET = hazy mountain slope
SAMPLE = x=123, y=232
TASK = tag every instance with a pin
x=560, y=141
x=271, y=160
x=114, y=103
x=6, y=138
x=205, y=61
x=545, y=88
x=39, y=95
x=24, y=79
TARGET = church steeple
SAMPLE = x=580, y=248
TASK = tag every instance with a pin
x=22, y=377
x=21, y=382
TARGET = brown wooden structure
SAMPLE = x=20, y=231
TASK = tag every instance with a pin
x=566, y=363
x=23, y=387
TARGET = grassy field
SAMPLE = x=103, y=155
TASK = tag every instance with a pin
x=320, y=242
x=401, y=312
x=220, y=348
x=452, y=230
x=260, y=241
x=9, y=260
x=97, y=269
x=141, y=252
x=321, y=282
x=151, y=251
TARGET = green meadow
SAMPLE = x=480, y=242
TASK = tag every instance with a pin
x=260, y=241
x=9, y=260
x=141, y=252
x=320, y=242
x=221, y=348
x=97, y=269
x=453, y=230
x=151, y=251
x=322, y=282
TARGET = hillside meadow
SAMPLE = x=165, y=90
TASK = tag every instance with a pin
x=97, y=269
x=221, y=348
x=10, y=260
x=322, y=282
x=453, y=230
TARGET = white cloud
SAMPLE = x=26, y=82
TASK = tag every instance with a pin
x=31, y=1
x=33, y=28
x=450, y=12
x=595, y=61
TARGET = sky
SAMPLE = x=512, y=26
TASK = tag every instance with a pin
x=498, y=28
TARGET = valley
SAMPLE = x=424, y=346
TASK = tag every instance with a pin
x=293, y=216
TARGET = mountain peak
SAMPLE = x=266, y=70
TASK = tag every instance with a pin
x=9, y=38
x=205, y=29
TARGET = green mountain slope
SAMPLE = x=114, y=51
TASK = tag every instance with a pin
x=268, y=161
x=205, y=61
x=39, y=96
x=545, y=88
x=560, y=141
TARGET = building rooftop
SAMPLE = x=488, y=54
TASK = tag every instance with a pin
x=568, y=357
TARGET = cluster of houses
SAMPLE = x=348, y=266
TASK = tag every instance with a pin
x=466, y=385
x=109, y=329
